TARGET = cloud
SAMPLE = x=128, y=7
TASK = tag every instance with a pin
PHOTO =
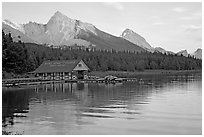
x=178, y=9
x=192, y=27
x=158, y=23
x=194, y=16
x=115, y=5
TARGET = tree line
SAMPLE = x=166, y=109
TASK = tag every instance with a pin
x=19, y=57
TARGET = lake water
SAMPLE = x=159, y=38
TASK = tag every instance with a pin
x=161, y=105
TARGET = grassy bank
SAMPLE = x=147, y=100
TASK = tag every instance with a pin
x=125, y=74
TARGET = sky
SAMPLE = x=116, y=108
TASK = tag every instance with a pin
x=173, y=26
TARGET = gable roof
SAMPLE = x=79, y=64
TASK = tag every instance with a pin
x=57, y=66
x=83, y=66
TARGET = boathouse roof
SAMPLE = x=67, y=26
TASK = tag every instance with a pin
x=59, y=66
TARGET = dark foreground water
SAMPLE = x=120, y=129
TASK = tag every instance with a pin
x=160, y=105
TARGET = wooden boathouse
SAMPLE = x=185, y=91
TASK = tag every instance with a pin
x=62, y=70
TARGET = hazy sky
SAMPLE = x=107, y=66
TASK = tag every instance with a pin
x=172, y=26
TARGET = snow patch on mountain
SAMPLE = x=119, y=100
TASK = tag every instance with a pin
x=14, y=25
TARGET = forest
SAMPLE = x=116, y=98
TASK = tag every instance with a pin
x=20, y=58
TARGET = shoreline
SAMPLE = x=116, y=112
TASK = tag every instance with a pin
x=128, y=74
x=122, y=75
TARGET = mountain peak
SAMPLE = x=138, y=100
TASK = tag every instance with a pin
x=127, y=31
x=58, y=13
x=135, y=38
x=199, y=49
x=64, y=24
x=183, y=52
x=58, y=16
x=197, y=54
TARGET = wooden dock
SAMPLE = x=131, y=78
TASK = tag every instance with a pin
x=36, y=81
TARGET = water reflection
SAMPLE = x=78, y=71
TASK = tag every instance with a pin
x=70, y=108
x=15, y=104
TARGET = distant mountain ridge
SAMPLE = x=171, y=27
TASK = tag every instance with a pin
x=183, y=52
x=197, y=53
x=137, y=39
x=163, y=51
x=61, y=30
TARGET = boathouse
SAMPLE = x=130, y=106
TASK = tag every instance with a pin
x=62, y=70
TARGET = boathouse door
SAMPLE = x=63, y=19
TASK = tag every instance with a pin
x=80, y=68
x=80, y=74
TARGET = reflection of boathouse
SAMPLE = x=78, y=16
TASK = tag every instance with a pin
x=62, y=70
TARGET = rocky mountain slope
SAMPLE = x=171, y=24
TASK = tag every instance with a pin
x=61, y=30
x=163, y=51
x=197, y=54
x=135, y=38
x=182, y=52
x=16, y=33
